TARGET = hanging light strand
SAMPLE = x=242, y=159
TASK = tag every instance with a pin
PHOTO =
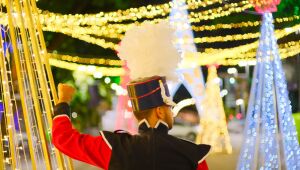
x=77, y=31
x=90, y=61
x=245, y=59
x=88, y=69
x=286, y=50
x=221, y=54
x=48, y=18
x=219, y=12
x=116, y=30
x=144, y=12
x=249, y=58
x=241, y=24
x=237, y=37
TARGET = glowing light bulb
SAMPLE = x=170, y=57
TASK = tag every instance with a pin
x=107, y=80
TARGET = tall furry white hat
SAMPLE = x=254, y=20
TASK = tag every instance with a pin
x=148, y=50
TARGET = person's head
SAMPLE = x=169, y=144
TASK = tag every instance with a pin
x=163, y=113
x=148, y=99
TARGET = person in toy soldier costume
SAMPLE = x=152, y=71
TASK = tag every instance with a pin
x=151, y=57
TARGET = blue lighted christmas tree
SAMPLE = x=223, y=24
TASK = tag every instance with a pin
x=183, y=31
x=192, y=76
x=270, y=133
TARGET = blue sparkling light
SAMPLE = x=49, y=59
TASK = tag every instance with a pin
x=185, y=43
x=270, y=134
x=1, y=110
x=183, y=30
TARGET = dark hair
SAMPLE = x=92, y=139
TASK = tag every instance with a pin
x=143, y=114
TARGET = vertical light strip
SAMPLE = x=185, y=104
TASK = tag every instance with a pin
x=8, y=109
x=46, y=65
x=31, y=79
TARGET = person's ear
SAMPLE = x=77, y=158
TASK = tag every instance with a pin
x=159, y=113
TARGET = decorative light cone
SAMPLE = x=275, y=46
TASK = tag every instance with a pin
x=192, y=77
x=213, y=121
x=270, y=137
x=183, y=31
x=125, y=119
x=27, y=93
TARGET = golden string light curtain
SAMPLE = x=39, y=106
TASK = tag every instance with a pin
x=217, y=55
x=116, y=31
x=145, y=12
x=111, y=67
x=96, y=29
x=241, y=24
x=102, y=28
x=27, y=93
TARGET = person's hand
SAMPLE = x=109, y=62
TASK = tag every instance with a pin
x=65, y=93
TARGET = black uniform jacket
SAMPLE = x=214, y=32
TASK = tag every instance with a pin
x=153, y=149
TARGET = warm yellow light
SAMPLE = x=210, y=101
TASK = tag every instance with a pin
x=89, y=61
x=108, y=36
x=214, y=55
x=131, y=14
x=244, y=58
x=88, y=69
x=213, y=120
x=241, y=24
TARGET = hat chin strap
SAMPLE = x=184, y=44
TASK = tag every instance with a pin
x=167, y=100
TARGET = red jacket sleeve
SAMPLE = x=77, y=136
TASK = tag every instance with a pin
x=86, y=148
x=202, y=166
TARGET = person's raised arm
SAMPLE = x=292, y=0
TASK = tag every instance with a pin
x=83, y=147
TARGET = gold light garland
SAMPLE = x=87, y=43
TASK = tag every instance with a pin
x=280, y=33
x=58, y=21
x=194, y=4
x=48, y=18
x=88, y=69
x=226, y=38
x=108, y=31
x=116, y=30
x=70, y=25
x=249, y=58
x=90, y=61
x=285, y=45
x=221, y=54
x=94, y=30
x=133, y=14
x=148, y=11
x=94, y=36
x=244, y=58
x=104, y=44
x=241, y=24
x=90, y=39
x=219, y=12
x=283, y=49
